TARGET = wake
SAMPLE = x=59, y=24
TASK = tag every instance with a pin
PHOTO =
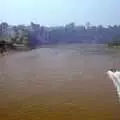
x=114, y=75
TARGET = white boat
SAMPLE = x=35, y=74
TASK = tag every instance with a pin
x=114, y=75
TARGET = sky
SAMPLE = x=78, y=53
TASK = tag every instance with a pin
x=60, y=12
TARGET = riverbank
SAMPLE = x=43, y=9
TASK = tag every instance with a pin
x=113, y=46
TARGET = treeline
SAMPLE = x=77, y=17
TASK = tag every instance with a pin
x=35, y=34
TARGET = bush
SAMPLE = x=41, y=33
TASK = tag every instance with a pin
x=115, y=41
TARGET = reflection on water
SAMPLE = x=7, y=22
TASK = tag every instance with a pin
x=59, y=83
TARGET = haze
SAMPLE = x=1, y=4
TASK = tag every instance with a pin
x=60, y=12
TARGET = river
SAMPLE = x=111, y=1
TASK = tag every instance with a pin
x=59, y=82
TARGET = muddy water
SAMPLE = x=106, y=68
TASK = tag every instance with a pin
x=65, y=82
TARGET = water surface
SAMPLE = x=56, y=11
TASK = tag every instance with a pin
x=61, y=82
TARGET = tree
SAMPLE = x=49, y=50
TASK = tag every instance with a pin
x=115, y=41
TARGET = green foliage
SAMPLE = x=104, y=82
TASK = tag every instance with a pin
x=115, y=41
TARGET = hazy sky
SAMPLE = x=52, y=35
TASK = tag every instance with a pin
x=60, y=12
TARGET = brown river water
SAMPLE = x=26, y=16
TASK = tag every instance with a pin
x=61, y=82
